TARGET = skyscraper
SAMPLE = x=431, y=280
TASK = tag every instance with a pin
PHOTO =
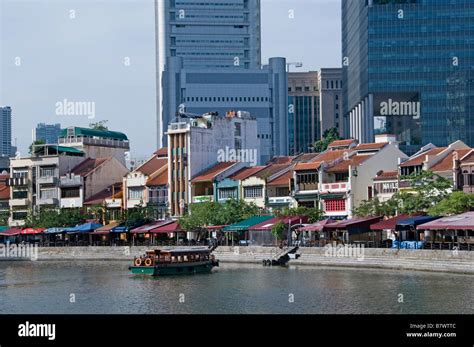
x=6, y=131
x=408, y=69
x=48, y=133
x=211, y=34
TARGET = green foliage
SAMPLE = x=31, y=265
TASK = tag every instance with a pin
x=374, y=208
x=53, y=217
x=4, y=217
x=213, y=213
x=455, y=203
x=279, y=229
x=100, y=125
x=138, y=216
x=329, y=136
x=35, y=143
x=313, y=214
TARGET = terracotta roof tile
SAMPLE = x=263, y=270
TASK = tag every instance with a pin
x=420, y=158
x=281, y=160
x=162, y=152
x=152, y=165
x=87, y=166
x=308, y=166
x=159, y=180
x=341, y=143
x=305, y=157
x=282, y=180
x=343, y=165
x=446, y=164
x=210, y=174
x=271, y=170
x=4, y=191
x=469, y=158
x=329, y=156
x=246, y=172
x=386, y=175
x=368, y=146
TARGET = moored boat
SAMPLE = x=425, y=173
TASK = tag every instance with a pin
x=163, y=262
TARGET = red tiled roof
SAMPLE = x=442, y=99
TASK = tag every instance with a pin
x=4, y=192
x=308, y=166
x=420, y=158
x=281, y=160
x=272, y=169
x=305, y=157
x=386, y=175
x=152, y=165
x=367, y=146
x=469, y=158
x=343, y=165
x=340, y=143
x=329, y=156
x=162, y=152
x=282, y=180
x=446, y=164
x=214, y=171
x=246, y=172
x=87, y=166
x=160, y=180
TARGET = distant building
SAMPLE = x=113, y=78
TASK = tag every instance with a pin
x=210, y=35
x=47, y=133
x=331, y=108
x=196, y=144
x=260, y=91
x=6, y=132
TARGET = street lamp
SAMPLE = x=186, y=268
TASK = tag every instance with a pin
x=297, y=65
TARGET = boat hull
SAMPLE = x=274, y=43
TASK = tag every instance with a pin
x=174, y=269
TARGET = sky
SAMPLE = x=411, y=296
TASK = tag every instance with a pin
x=103, y=52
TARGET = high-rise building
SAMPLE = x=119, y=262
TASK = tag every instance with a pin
x=6, y=131
x=211, y=34
x=408, y=69
x=48, y=133
x=262, y=92
x=315, y=105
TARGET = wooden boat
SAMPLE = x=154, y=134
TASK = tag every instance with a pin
x=164, y=262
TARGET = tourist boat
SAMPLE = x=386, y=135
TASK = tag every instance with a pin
x=164, y=262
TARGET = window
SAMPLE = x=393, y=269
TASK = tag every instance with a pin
x=70, y=193
x=23, y=194
x=227, y=193
x=253, y=192
x=135, y=193
x=48, y=194
x=333, y=205
x=47, y=172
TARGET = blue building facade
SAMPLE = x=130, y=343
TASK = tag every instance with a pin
x=6, y=149
x=211, y=34
x=48, y=133
x=408, y=69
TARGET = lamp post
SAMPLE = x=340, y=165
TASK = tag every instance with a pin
x=297, y=65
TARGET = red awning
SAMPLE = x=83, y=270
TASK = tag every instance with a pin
x=31, y=231
x=390, y=224
x=268, y=225
x=11, y=232
x=463, y=221
x=148, y=228
x=319, y=226
x=215, y=227
x=353, y=223
x=168, y=228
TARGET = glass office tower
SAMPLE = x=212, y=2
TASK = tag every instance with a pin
x=211, y=34
x=6, y=131
x=408, y=69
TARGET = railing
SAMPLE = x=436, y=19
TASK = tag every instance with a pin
x=203, y=198
x=76, y=140
x=72, y=181
x=280, y=200
x=17, y=182
x=335, y=187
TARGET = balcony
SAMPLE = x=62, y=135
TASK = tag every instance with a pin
x=18, y=202
x=158, y=201
x=17, y=182
x=338, y=187
x=202, y=198
x=71, y=202
x=48, y=201
x=47, y=180
x=80, y=141
x=71, y=181
x=280, y=200
x=113, y=203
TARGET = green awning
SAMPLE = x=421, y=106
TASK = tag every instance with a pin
x=3, y=228
x=86, y=132
x=331, y=196
x=64, y=149
x=247, y=223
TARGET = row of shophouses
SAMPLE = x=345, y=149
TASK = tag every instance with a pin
x=88, y=169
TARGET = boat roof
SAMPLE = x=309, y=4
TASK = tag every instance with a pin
x=184, y=250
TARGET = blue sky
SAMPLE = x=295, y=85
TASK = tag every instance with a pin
x=51, y=50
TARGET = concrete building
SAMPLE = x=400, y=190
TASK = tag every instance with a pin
x=408, y=71
x=466, y=168
x=96, y=143
x=209, y=35
x=331, y=109
x=4, y=199
x=6, y=132
x=48, y=133
x=262, y=92
x=198, y=143
x=147, y=185
x=385, y=185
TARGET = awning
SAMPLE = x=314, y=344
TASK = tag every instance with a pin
x=120, y=229
x=247, y=223
x=168, y=228
x=332, y=196
x=3, y=228
x=108, y=227
x=215, y=227
x=54, y=230
x=414, y=222
x=268, y=224
x=31, y=231
x=354, y=222
x=389, y=224
x=11, y=232
x=318, y=226
x=463, y=221
x=83, y=228
x=148, y=228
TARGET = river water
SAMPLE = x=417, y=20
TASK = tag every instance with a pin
x=107, y=287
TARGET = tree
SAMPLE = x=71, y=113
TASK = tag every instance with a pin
x=313, y=214
x=54, y=217
x=4, y=215
x=33, y=144
x=329, y=136
x=137, y=216
x=100, y=125
x=455, y=203
x=279, y=229
x=374, y=208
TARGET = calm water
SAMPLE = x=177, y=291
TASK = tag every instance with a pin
x=99, y=287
